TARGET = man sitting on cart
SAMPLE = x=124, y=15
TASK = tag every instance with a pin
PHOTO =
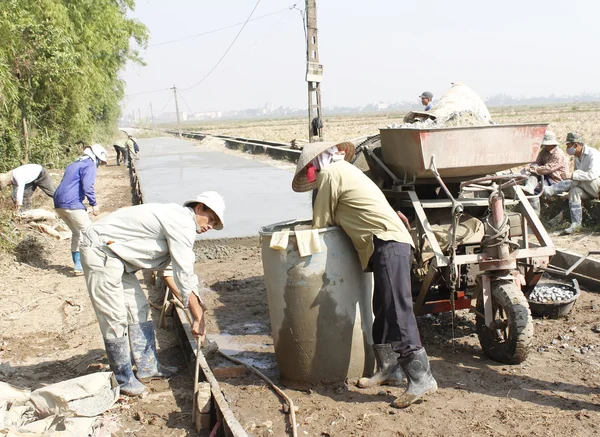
x=348, y=198
x=551, y=162
x=583, y=183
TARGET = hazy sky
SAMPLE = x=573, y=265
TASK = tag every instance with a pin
x=377, y=50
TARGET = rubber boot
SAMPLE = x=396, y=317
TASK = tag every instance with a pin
x=576, y=218
x=388, y=369
x=119, y=358
x=78, y=269
x=557, y=188
x=143, y=349
x=530, y=185
x=535, y=204
x=420, y=380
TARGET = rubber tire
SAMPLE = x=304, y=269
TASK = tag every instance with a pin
x=520, y=324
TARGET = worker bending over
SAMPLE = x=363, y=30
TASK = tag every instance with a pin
x=348, y=198
x=583, y=183
x=24, y=180
x=78, y=184
x=149, y=236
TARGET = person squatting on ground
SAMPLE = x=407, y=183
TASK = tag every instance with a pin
x=348, y=198
x=78, y=184
x=583, y=183
x=551, y=163
x=148, y=236
x=24, y=180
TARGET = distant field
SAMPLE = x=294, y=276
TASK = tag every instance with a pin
x=582, y=118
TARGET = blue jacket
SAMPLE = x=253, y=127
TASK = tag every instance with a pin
x=76, y=185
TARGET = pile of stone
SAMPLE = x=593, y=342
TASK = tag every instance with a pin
x=551, y=294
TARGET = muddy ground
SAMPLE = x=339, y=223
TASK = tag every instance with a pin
x=48, y=333
x=554, y=392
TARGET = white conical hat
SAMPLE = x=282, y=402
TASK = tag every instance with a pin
x=310, y=152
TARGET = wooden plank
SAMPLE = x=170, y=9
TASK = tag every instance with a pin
x=534, y=221
x=440, y=260
x=225, y=412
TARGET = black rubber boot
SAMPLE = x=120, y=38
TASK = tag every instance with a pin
x=388, y=369
x=420, y=380
x=143, y=348
x=119, y=358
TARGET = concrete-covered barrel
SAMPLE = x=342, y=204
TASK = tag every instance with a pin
x=320, y=308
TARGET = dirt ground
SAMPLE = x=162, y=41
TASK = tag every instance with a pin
x=48, y=333
x=554, y=392
x=582, y=118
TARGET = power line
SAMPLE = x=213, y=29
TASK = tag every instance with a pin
x=188, y=106
x=147, y=92
x=249, y=19
x=165, y=107
x=221, y=28
x=226, y=51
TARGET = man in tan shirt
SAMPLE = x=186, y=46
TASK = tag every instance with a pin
x=348, y=198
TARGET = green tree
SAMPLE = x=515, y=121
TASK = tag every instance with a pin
x=59, y=65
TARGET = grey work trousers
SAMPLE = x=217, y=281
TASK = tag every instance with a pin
x=395, y=320
x=584, y=190
x=43, y=182
x=116, y=295
x=77, y=220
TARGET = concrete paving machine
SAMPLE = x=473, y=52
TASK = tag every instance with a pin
x=470, y=220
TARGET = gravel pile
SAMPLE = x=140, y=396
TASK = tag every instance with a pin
x=455, y=119
x=551, y=293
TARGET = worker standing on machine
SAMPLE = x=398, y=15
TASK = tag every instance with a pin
x=348, y=198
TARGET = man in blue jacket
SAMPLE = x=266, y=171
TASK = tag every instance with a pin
x=77, y=185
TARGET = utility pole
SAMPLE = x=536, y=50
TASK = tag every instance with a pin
x=177, y=110
x=314, y=74
x=140, y=117
x=151, y=115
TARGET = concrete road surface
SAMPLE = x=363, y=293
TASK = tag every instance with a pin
x=256, y=194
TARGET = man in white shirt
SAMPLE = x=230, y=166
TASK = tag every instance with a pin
x=150, y=236
x=24, y=180
x=583, y=183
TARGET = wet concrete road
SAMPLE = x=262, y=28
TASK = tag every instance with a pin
x=256, y=194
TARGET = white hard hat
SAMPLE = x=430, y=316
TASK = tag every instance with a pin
x=214, y=201
x=99, y=152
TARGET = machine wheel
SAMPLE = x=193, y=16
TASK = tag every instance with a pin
x=511, y=340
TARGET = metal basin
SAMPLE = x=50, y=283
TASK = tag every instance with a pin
x=460, y=152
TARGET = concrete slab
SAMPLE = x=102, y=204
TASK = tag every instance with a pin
x=256, y=194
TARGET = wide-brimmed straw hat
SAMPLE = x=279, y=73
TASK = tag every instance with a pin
x=549, y=139
x=310, y=152
x=215, y=202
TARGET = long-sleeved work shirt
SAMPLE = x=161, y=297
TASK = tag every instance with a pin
x=150, y=236
x=77, y=184
x=348, y=198
x=131, y=147
x=587, y=166
x=22, y=176
x=553, y=164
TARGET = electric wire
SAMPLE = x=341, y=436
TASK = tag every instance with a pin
x=187, y=106
x=226, y=51
x=165, y=107
x=208, y=32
